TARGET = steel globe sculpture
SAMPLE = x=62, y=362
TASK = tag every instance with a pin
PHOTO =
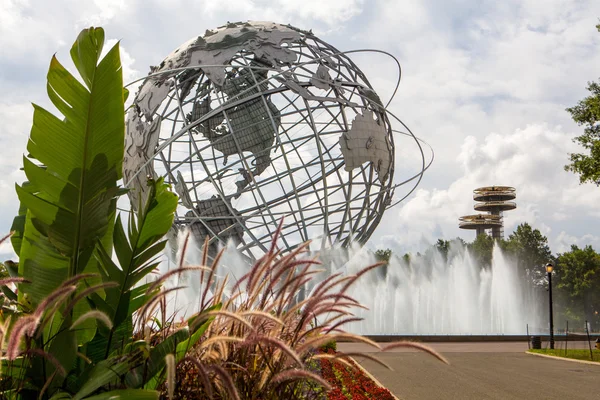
x=256, y=121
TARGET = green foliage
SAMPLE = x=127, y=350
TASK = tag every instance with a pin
x=73, y=167
x=128, y=366
x=331, y=345
x=18, y=226
x=481, y=249
x=383, y=255
x=578, y=280
x=525, y=245
x=136, y=254
x=587, y=113
x=531, y=251
x=124, y=394
x=443, y=246
x=577, y=354
x=3, y=271
x=69, y=201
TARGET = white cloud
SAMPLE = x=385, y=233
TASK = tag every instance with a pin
x=472, y=70
x=331, y=11
x=130, y=73
x=31, y=31
x=6, y=250
x=564, y=241
x=558, y=216
x=105, y=10
x=526, y=159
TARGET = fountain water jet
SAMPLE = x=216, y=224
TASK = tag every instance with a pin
x=430, y=295
x=435, y=295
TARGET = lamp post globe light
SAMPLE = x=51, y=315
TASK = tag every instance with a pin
x=549, y=269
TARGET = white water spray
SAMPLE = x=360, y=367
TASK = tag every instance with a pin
x=429, y=296
x=439, y=297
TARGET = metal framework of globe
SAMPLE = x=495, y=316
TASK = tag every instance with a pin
x=256, y=121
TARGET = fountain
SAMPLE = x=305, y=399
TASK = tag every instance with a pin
x=435, y=296
x=430, y=295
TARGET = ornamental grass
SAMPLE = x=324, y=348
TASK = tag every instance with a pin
x=264, y=340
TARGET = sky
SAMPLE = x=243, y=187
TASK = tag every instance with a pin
x=484, y=82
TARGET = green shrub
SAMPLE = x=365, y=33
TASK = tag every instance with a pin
x=331, y=345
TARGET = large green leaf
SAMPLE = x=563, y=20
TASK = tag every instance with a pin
x=200, y=324
x=104, y=373
x=64, y=349
x=96, y=349
x=68, y=204
x=73, y=167
x=155, y=364
x=45, y=268
x=18, y=226
x=136, y=255
x=13, y=370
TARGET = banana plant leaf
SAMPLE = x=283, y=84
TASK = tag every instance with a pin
x=156, y=361
x=197, y=325
x=178, y=344
x=136, y=253
x=68, y=203
x=73, y=167
x=96, y=349
x=105, y=373
x=18, y=226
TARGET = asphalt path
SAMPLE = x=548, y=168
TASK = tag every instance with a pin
x=481, y=371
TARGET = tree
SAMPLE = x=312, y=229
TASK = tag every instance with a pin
x=587, y=113
x=578, y=278
x=530, y=248
x=481, y=250
x=383, y=255
x=443, y=246
x=406, y=257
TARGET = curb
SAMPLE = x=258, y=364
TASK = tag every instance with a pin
x=370, y=376
x=564, y=359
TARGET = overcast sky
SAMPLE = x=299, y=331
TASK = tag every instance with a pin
x=485, y=83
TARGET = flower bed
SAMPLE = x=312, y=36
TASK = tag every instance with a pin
x=350, y=383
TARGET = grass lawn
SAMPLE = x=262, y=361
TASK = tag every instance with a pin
x=578, y=354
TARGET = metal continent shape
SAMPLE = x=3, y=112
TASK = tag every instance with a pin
x=366, y=141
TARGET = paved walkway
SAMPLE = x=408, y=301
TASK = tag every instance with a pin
x=482, y=371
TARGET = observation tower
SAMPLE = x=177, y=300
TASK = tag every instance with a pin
x=494, y=200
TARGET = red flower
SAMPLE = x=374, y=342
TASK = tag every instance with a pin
x=350, y=384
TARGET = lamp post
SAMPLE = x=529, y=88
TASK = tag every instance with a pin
x=549, y=269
